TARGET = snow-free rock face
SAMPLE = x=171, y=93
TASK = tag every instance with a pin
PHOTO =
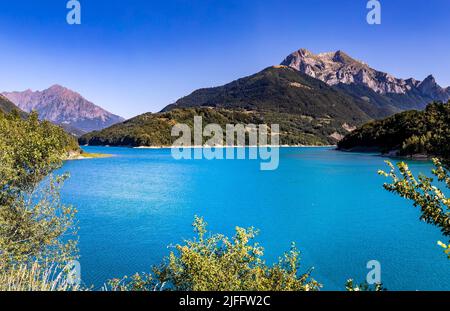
x=335, y=68
x=431, y=88
x=63, y=106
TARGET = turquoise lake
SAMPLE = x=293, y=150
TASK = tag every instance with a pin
x=134, y=205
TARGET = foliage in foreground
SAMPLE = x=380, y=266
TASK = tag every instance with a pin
x=213, y=262
x=35, y=226
x=36, y=277
x=433, y=204
x=350, y=286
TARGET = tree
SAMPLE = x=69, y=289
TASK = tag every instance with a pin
x=34, y=225
x=433, y=204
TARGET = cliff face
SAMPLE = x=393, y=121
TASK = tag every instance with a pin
x=335, y=68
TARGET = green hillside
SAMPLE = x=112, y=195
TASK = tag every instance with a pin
x=154, y=129
x=308, y=111
x=6, y=106
x=406, y=134
x=13, y=121
x=283, y=90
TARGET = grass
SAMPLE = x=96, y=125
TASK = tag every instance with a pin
x=35, y=277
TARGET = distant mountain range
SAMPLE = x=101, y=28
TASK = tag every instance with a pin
x=308, y=110
x=280, y=89
x=358, y=79
x=316, y=99
x=383, y=93
x=65, y=107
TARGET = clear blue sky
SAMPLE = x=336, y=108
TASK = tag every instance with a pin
x=136, y=56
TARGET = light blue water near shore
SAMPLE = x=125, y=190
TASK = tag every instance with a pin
x=332, y=204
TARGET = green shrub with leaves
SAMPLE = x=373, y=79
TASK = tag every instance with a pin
x=433, y=204
x=34, y=225
x=214, y=262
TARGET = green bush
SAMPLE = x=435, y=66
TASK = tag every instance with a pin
x=213, y=262
x=32, y=218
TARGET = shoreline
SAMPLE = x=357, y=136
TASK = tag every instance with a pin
x=224, y=147
x=87, y=156
x=412, y=157
x=206, y=146
x=391, y=154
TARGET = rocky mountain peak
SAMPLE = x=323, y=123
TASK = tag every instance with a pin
x=338, y=67
x=64, y=106
x=59, y=90
x=430, y=88
x=303, y=52
x=343, y=58
x=428, y=81
x=57, y=87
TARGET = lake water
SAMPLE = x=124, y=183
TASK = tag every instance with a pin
x=332, y=204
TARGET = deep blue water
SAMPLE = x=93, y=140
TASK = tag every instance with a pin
x=332, y=204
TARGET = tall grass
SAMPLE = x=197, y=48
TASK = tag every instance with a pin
x=36, y=277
